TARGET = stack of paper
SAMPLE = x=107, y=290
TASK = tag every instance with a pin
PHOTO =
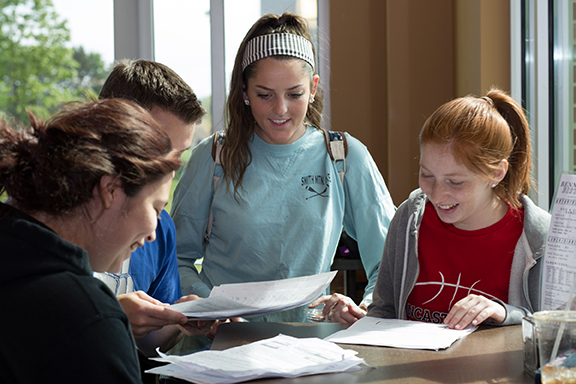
x=257, y=298
x=280, y=356
x=399, y=334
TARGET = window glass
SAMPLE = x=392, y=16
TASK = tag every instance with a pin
x=52, y=52
x=564, y=16
x=91, y=26
x=182, y=42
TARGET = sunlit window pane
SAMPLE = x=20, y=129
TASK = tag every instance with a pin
x=91, y=25
x=564, y=86
x=182, y=42
x=52, y=52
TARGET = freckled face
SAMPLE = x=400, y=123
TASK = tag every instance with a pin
x=461, y=197
x=279, y=95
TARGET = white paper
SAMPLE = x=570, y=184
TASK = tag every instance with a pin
x=559, y=265
x=251, y=299
x=280, y=356
x=399, y=334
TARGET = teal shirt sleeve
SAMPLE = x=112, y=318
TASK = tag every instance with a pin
x=190, y=212
x=369, y=209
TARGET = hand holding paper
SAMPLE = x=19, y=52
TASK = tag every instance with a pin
x=250, y=299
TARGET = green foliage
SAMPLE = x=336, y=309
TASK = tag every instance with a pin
x=91, y=72
x=37, y=71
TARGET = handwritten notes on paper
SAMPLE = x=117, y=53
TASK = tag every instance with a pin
x=251, y=299
x=399, y=334
x=559, y=267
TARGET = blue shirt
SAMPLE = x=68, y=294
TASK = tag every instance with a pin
x=154, y=267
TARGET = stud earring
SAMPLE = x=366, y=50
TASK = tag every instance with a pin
x=494, y=185
x=246, y=101
x=311, y=100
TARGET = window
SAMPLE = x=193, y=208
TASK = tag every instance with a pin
x=532, y=87
x=52, y=53
x=91, y=26
x=182, y=42
x=564, y=84
x=544, y=39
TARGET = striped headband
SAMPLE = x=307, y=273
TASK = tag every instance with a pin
x=278, y=44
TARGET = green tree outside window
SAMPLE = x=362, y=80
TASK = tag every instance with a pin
x=37, y=70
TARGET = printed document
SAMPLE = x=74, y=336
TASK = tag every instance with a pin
x=399, y=334
x=280, y=356
x=559, y=266
x=251, y=299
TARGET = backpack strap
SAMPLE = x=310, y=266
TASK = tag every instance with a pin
x=337, y=147
x=217, y=146
x=216, y=150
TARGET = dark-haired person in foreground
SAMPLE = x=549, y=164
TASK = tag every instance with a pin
x=85, y=190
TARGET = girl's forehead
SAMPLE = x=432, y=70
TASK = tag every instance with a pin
x=270, y=70
x=440, y=156
x=280, y=63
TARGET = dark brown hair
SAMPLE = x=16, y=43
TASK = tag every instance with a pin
x=236, y=154
x=483, y=131
x=53, y=167
x=152, y=84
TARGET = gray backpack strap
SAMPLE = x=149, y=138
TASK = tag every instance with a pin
x=337, y=147
x=216, y=150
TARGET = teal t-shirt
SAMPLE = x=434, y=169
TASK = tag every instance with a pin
x=289, y=219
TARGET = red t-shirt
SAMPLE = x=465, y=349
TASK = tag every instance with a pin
x=455, y=263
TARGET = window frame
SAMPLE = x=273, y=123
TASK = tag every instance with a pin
x=532, y=86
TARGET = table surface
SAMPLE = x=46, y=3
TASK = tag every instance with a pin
x=488, y=355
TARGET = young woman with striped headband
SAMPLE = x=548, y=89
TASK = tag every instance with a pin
x=279, y=207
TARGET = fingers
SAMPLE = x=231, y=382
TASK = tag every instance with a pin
x=147, y=314
x=339, y=308
x=322, y=300
x=188, y=298
x=474, y=310
x=139, y=295
x=329, y=301
x=196, y=328
x=145, y=320
x=347, y=314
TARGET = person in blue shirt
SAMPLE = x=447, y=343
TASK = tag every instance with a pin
x=277, y=206
x=149, y=279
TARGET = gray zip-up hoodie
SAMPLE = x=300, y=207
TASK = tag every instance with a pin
x=399, y=267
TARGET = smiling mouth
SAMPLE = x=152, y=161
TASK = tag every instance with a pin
x=446, y=207
x=279, y=122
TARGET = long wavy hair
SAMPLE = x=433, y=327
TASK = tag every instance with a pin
x=236, y=155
